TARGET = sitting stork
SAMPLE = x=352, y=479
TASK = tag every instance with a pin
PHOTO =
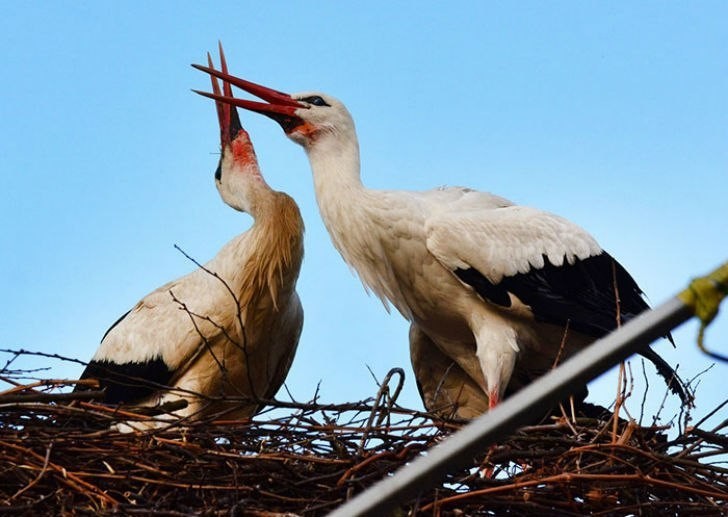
x=495, y=292
x=228, y=329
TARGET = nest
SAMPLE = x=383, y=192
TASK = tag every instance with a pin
x=61, y=453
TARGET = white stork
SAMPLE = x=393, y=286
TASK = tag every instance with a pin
x=499, y=289
x=230, y=328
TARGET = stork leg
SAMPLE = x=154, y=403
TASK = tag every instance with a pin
x=447, y=389
x=497, y=350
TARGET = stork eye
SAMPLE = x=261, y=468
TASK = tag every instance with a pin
x=315, y=100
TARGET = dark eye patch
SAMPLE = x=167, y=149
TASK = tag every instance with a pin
x=315, y=100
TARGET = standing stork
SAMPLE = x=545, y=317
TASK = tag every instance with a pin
x=228, y=329
x=500, y=289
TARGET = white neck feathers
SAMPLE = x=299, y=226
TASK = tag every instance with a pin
x=350, y=213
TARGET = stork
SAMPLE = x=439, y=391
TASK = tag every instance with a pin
x=229, y=328
x=500, y=289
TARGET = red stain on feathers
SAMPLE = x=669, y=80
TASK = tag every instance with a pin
x=243, y=151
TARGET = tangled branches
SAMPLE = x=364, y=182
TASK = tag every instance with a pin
x=306, y=459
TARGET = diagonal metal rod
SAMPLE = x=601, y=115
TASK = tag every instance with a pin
x=458, y=450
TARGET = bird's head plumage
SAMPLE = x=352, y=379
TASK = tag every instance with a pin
x=237, y=174
x=307, y=118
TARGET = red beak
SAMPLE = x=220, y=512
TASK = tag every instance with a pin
x=227, y=115
x=281, y=107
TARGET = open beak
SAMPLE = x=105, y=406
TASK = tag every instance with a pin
x=227, y=115
x=279, y=106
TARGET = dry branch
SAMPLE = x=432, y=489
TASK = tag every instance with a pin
x=307, y=458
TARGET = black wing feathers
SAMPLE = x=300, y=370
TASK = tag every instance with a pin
x=128, y=382
x=583, y=293
x=591, y=295
x=494, y=293
x=588, y=294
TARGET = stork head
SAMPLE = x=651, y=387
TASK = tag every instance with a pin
x=237, y=176
x=308, y=118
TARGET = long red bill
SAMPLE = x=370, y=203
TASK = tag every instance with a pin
x=263, y=92
x=227, y=115
x=280, y=106
x=260, y=107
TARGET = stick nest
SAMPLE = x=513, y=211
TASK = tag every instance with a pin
x=65, y=457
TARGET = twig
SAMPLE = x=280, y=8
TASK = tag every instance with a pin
x=52, y=397
x=239, y=315
x=40, y=474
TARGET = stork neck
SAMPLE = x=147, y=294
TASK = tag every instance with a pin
x=335, y=166
x=261, y=199
x=336, y=176
x=352, y=215
x=270, y=253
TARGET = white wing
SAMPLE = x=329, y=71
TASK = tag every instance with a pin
x=160, y=335
x=458, y=199
x=159, y=327
x=505, y=241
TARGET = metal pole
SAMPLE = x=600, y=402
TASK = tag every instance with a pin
x=458, y=450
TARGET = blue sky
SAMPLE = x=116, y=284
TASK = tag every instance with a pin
x=611, y=114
